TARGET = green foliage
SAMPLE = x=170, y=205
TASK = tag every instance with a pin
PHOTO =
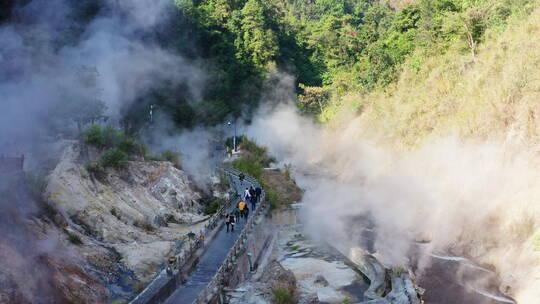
x=254, y=160
x=332, y=47
x=110, y=137
x=287, y=172
x=130, y=146
x=255, y=41
x=74, y=239
x=346, y=301
x=95, y=169
x=114, y=158
x=251, y=146
x=213, y=206
x=250, y=165
x=282, y=296
x=116, y=149
x=95, y=136
x=273, y=198
x=171, y=156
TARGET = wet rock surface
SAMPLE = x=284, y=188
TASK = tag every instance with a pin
x=312, y=273
x=319, y=269
x=274, y=277
x=325, y=275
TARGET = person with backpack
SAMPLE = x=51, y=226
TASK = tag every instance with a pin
x=247, y=195
x=241, y=178
x=253, y=201
x=232, y=221
x=258, y=192
x=228, y=221
x=242, y=206
x=251, y=191
x=237, y=213
x=246, y=212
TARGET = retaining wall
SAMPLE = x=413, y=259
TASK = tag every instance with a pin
x=163, y=284
x=213, y=293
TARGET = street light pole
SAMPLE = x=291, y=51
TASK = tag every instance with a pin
x=151, y=113
x=234, y=138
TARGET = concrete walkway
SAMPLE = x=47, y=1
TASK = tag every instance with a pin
x=212, y=259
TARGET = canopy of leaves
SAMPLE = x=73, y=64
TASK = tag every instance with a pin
x=331, y=46
x=340, y=45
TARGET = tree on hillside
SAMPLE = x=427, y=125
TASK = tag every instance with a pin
x=314, y=99
x=255, y=40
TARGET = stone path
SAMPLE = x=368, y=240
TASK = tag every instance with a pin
x=212, y=259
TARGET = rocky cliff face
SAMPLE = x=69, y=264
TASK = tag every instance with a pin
x=37, y=266
x=140, y=212
x=150, y=192
x=96, y=240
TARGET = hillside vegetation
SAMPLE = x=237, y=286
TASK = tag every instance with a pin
x=493, y=92
x=342, y=50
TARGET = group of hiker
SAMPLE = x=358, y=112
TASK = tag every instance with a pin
x=252, y=195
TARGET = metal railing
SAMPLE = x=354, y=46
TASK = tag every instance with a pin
x=200, y=239
x=154, y=290
x=185, y=256
x=214, y=287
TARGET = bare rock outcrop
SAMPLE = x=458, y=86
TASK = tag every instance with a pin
x=275, y=278
x=141, y=212
x=46, y=278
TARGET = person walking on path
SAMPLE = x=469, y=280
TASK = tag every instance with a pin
x=201, y=240
x=253, y=201
x=232, y=221
x=228, y=221
x=246, y=212
x=237, y=213
x=247, y=195
x=258, y=192
x=241, y=178
x=242, y=206
x=251, y=191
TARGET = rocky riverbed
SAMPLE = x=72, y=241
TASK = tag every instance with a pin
x=314, y=272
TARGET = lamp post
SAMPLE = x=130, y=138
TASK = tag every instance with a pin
x=234, y=138
x=151, y=113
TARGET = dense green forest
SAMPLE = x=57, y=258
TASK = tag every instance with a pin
x=331, y=46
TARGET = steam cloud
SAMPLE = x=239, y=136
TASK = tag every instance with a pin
x=473, y=198
x=57, y=62
x=55, y=65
